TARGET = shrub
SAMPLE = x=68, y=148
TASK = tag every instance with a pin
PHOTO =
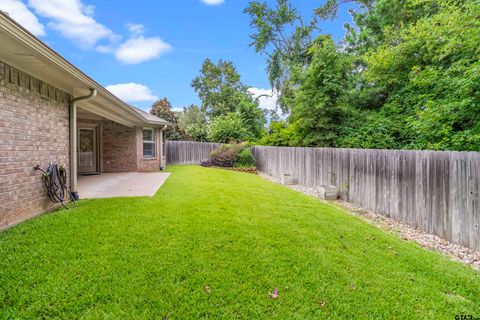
x=233, y=155
x=206, y=163
x=245, y=158
x=224, y=156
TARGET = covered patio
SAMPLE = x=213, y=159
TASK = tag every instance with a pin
x=114, y=154
x=125, y=184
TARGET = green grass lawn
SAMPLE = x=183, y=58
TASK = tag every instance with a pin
x=213, y=244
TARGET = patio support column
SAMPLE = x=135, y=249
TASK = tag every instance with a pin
x=73, y=140
x=73, y=148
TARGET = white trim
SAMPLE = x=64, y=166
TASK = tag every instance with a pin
x=153, y=141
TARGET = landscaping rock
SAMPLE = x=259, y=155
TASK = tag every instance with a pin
x=288, y=180
x=328, y=193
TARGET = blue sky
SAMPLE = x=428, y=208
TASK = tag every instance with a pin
x=142, y=50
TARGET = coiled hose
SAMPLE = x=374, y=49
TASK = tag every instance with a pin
x=55, y=181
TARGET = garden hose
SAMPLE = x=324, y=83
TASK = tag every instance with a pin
x=55, y=181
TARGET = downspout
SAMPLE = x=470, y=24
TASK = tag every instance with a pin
x=163, y=145
x=73, y=140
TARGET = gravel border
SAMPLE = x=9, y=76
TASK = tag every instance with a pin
x=404, y=232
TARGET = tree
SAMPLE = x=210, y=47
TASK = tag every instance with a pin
x=321, y=99
x=253, y=118
x=194, y=122
x=282, y=35
x=218, y=86
x=406, y=75
x=163, y=109
x=431, y=71
x=223, y=94
x=282, y=134
x=228, y=128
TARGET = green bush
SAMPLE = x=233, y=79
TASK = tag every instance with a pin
x=233, y=155
x=245, y=158
x=224, y=156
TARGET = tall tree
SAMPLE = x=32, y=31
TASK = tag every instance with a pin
x=163, y=109
x=218, y=86
x=194, y=122
x=224, y=96
x=283, y=36
x=321, y=98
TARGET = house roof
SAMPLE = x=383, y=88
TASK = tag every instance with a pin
x=149, y=117
x=29, y=54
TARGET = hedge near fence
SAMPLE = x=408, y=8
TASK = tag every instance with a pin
x=438, y=192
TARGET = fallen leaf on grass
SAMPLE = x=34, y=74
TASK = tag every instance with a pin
x=274, y=295
x=207, y=289
x=322, y=303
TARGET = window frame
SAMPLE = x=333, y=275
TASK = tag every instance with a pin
x=152, y=142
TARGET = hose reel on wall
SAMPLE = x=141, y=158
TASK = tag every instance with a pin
x=55, y=182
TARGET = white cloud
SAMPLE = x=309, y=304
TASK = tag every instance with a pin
x=74, y=20
x=268, y=98
x=105, y=48
x=135, y=28
x=132, y=92
x=141, y=49
x=20, y=13
x=213, y=2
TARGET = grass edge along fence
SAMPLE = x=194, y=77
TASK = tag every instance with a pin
x=435, y=191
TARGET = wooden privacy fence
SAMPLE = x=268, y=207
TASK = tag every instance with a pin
x=438, y=192
x=189, y=152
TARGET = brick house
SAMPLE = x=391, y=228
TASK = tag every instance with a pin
x=50, y=111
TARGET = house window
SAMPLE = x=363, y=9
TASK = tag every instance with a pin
x=164, y=140
x=148, y=143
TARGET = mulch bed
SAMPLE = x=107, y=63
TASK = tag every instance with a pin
x=252, y=170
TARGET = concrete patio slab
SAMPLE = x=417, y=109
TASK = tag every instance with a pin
x=128, y=184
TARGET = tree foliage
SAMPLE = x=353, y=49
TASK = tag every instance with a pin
x=230, y=110
x=431, y=70
x=282, y=35
x=193, y=121
x=218, y=86
x=163, y=109
x=406, y=75
x=228, y=128
x=321, y=97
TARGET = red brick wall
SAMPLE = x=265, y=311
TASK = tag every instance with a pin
x=119, y=147
x=34, y=129
x=122, y=148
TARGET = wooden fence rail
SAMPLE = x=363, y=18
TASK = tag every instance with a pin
x=438, y=192
x=189, y=152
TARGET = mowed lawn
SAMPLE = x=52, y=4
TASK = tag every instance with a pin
x=213, y=244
